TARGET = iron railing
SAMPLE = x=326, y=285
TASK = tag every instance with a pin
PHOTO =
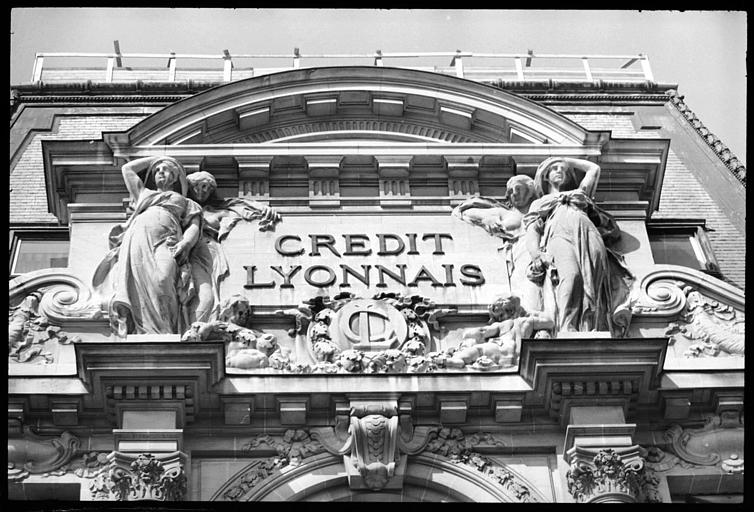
x=530, y=66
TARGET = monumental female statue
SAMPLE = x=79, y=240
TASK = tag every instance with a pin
x=505, y=220
x=209, y=264
x=568, y=236
x=145, y=279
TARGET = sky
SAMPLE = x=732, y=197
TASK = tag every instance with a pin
x=704, y=52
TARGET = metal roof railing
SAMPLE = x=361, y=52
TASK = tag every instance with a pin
x=109, y=67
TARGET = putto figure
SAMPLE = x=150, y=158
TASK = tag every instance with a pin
x=209, y=264
x=145, y=279
x=499, y=343
x=567, y=237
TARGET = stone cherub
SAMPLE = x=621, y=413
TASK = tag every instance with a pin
x=247, y=348
x=499, y=343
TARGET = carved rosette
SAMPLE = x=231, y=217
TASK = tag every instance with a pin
x=608, y=477
x=131, y=477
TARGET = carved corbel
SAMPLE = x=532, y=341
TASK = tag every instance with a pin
x=374, y=451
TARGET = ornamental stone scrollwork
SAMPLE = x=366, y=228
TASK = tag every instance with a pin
x=714, y=329
x=658, y=460
x=40, y=302
x=608, y=476
x=60, y=296
x=709, y=317
x=30, y=453
x=136, y=477
x=719, y=442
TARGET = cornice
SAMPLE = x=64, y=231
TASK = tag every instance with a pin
x=721, y=150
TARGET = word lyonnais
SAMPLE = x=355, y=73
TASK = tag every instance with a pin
x=358, y=245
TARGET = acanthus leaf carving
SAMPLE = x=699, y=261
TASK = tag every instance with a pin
x=609, y=476
x=136, y=477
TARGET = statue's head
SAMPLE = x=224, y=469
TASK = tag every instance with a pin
x=202, y=185
x=554, y=171
x=505, y=307
x=520, y=191
x=167, y=173
x=236, y=309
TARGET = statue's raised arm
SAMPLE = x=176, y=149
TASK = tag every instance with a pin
x=566, y=235
x=145, y=280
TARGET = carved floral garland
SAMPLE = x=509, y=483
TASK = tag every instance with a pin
x=453, y=444
x=313, y=319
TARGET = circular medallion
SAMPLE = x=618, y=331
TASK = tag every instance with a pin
x=368, y=325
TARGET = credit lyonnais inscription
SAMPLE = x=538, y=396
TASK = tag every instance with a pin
x=437, y=257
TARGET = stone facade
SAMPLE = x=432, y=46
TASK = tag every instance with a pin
x=367, y=283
